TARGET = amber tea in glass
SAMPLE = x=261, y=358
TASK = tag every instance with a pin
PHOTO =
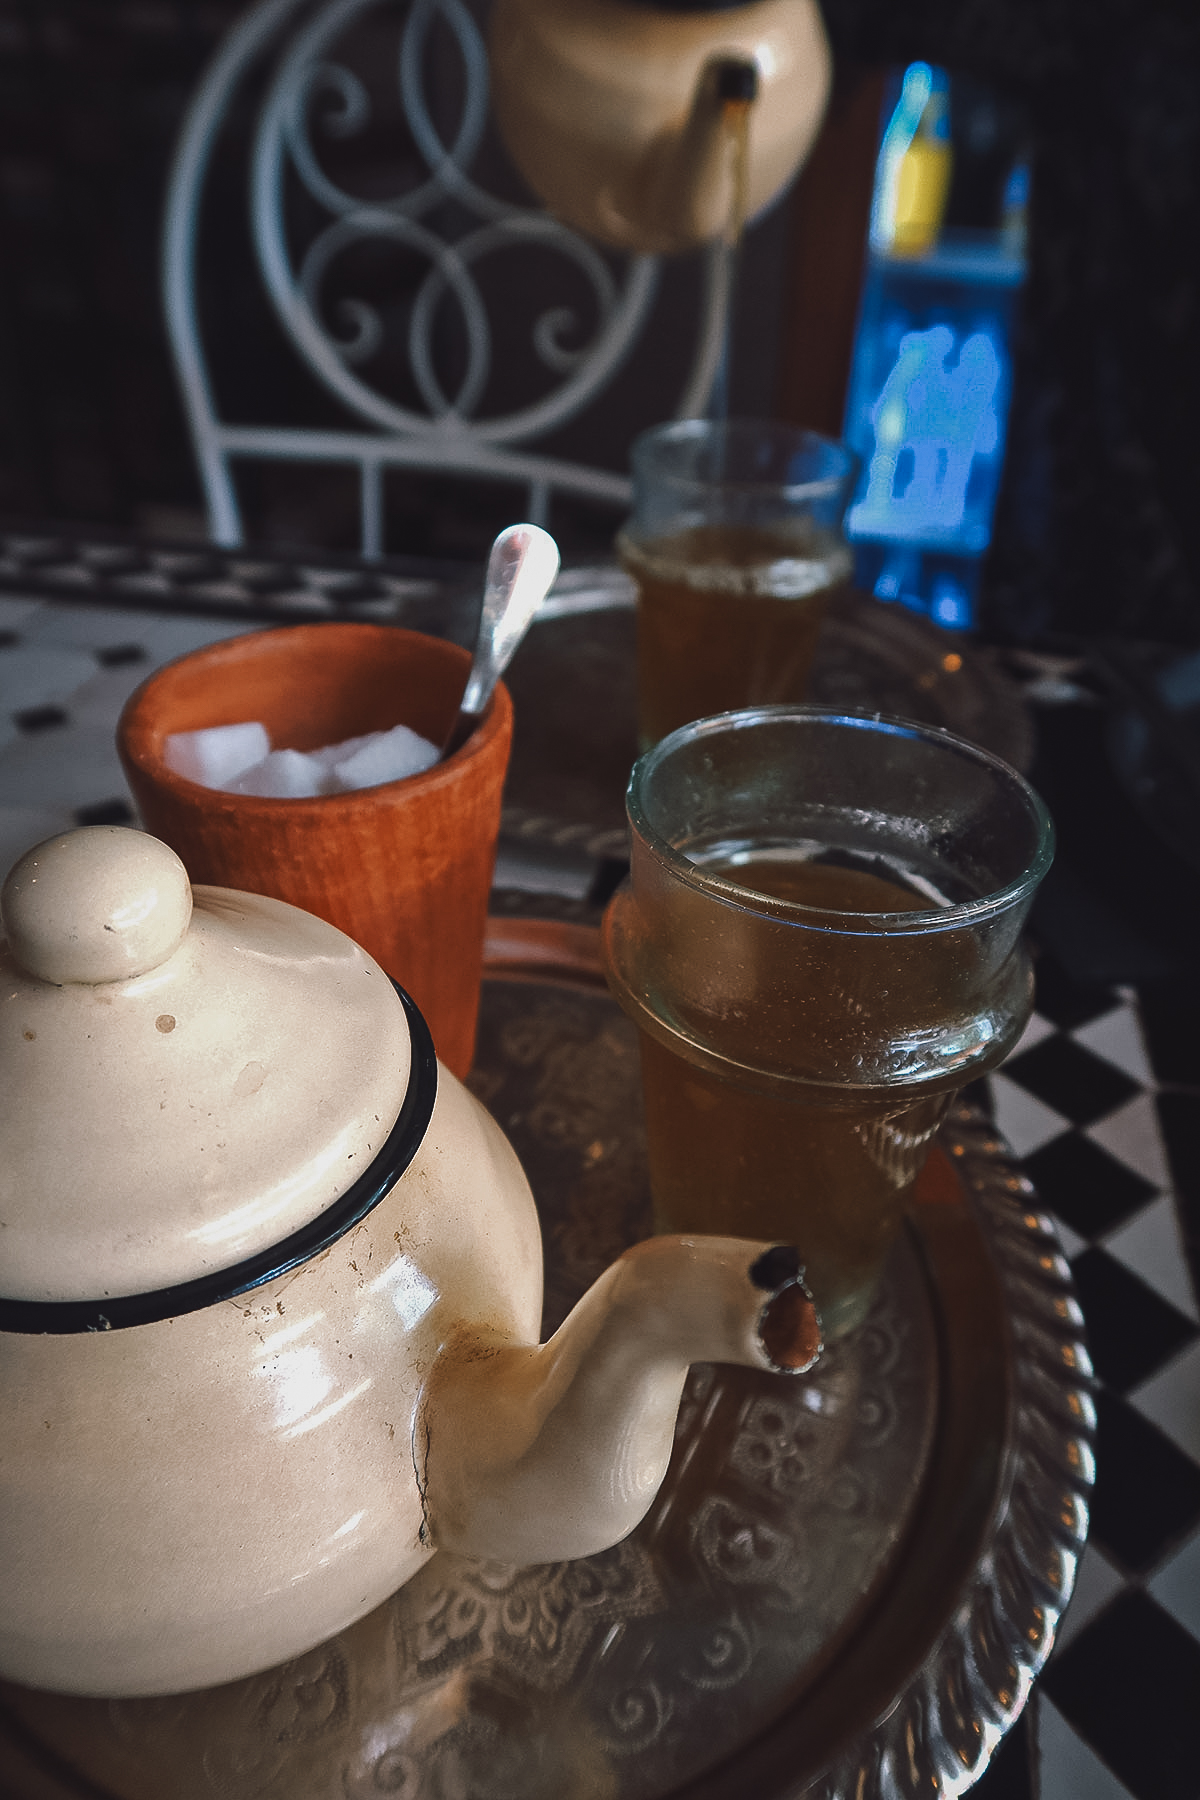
x=820, y=944
x=735, y=544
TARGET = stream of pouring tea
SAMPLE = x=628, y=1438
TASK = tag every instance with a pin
x=735, y=126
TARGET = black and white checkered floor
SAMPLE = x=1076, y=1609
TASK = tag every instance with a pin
x=1102, y=1103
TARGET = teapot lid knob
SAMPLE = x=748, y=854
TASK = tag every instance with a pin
x=104, y=903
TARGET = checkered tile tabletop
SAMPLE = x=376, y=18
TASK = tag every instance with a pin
x=1101, y=1100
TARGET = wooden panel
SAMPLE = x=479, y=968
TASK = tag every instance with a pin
x=830, y=212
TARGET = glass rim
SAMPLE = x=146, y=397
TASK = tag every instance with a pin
x=818, y=487
x=959, y=915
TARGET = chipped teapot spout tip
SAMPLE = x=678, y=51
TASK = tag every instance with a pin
x=789, y=1327
x=537, y=1454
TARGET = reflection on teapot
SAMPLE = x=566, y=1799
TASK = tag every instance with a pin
x=618, y=113
x=271, y=1283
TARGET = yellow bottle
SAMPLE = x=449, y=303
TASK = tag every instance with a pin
x=923, y=181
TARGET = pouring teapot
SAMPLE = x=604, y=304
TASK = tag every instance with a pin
x=623, y=115
x=270, y=1286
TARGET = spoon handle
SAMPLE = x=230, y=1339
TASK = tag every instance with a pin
x=521, y=569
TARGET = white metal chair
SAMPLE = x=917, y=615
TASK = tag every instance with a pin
x=299, y=44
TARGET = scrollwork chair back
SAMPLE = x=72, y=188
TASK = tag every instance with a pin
x=448, y=226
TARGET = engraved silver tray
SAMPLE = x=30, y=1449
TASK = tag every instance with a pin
x=575, y=725
x=846, y=1587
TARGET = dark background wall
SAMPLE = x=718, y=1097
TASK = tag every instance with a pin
x=1099, y=525
x=92, y=95
x=1099, y=521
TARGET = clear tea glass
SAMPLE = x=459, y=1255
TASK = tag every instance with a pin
x=735, y=543
x=820, y=944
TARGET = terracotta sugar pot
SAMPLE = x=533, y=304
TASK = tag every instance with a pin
x=270, y=1284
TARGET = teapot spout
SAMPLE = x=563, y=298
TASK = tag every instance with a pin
x=690, y=187
x=530, y=1454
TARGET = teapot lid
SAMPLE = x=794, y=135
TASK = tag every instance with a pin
x=187, y=1076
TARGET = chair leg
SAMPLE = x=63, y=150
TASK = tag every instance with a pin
x=372, y=511
x=220, y=499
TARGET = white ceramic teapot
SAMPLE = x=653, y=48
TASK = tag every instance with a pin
x=618, y=112
x=271, y=1284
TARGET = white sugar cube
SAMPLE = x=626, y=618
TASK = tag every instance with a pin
x=283, y=775
x=383, y=756
x=332, y=754
x=218, y=755
x=239, y=759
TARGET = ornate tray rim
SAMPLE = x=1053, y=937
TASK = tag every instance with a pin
x=963, y=1695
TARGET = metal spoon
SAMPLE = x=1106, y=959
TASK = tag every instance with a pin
x=521, y=568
